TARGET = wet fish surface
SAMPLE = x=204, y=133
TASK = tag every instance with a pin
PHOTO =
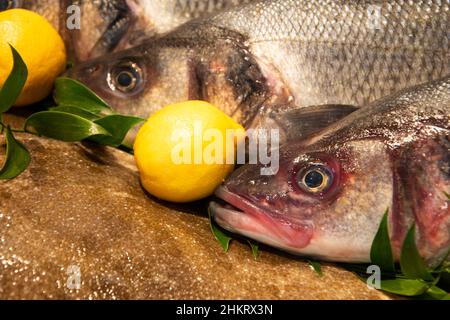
x=289, y=52
x=157, y=17
x=99, y=22
x=106, y=25
x=333, y=187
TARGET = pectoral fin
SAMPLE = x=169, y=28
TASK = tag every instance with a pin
x=302, y=122
x=296, y=123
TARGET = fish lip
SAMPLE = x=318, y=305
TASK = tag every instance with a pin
x=249, y=220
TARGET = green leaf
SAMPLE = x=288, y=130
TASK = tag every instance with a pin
x=118, y=127
x=404, y=287
x=316, y=267
x=71, y=93
x=381, y=250
x=126, y=148
x=411, y=263
x=255, y=248
x=14, y=83
x=220, y=236
x=62, y=126
x=448, y=195
x=77, y=111
x=437, y=293
x=17, y=157
x=445, y=267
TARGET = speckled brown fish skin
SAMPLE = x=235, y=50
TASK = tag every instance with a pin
x=392, y=154
x=272, y=53
x=107, y=25
x=96, y=20
x=82, y=206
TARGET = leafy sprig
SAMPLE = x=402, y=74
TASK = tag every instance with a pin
x=411, y=278
x=79, y=115
x=224, y=237
x=15, y=82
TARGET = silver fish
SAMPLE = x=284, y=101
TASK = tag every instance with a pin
x=333, y=187
x=107, y=25
x=286, y=52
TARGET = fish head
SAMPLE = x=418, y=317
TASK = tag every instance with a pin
x=325, y=202
x=138, y=81
x=188, y=64
x=334, y=186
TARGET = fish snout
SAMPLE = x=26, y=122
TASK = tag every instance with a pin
x=86, y=71
x=238, y=214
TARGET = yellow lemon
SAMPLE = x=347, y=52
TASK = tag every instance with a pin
x=39, y=45
x=186, y=150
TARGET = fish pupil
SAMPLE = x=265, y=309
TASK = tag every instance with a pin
x=314, y=179
x=125, y=79
x=6, y=4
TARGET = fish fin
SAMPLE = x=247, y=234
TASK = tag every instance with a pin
x=302, y=122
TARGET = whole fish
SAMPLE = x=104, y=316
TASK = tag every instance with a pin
x=79, y=213
x=287, y=52
x=106, y=25
x=333, y=187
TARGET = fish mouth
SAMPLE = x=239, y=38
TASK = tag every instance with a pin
x=237, y=214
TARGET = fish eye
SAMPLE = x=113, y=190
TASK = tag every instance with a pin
x=125, y=78
x=7, y=4
x=314, y=179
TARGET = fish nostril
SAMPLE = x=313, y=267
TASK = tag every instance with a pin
x=93, y=69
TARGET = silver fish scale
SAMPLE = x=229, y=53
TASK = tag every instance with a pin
x=199, y=8
x=349, y=22
x=399, y=118
x=351, y=52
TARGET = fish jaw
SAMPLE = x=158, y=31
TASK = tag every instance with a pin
x=258, y=223
x=242, y=217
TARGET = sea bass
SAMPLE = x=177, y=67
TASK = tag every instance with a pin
x=106, y=25
x=276, y=53
x=332, y=189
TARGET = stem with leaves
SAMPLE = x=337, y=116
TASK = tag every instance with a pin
x=414, y=278
x=79, y=115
